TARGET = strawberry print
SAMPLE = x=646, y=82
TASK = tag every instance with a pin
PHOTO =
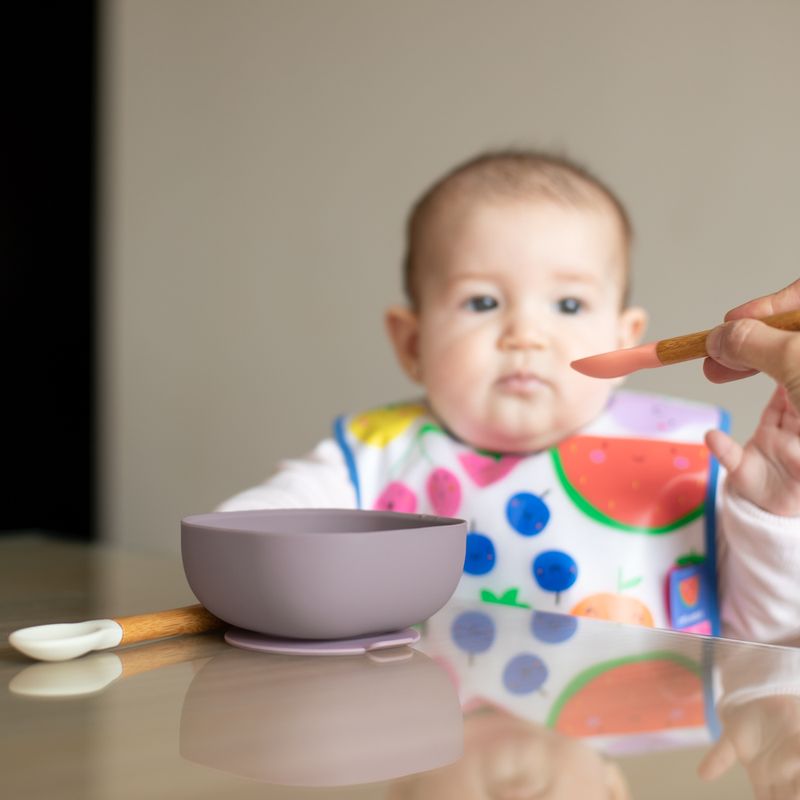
x=397, y=497
x=485, y=470
x=444, y=492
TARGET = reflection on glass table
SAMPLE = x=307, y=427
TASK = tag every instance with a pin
x=554, y=705
x=324, y=721
x=493, y=702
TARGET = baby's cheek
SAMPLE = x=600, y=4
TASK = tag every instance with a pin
x=455, y=363
x=587, y=397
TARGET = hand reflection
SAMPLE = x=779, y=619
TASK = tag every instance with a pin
x=764, y=735
x=507, y=758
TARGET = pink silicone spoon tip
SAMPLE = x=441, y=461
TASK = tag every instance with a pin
x=619, y=362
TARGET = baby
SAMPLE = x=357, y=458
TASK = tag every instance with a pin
x=581, y=498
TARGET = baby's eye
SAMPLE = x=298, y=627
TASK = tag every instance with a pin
x=481, y=303
x=569, y=305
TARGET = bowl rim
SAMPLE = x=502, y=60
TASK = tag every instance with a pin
x=230, y=521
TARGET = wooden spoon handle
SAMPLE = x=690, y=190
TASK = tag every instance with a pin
x=693, y=345
x=174, y=622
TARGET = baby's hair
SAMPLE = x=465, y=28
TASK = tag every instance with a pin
x=499, y=174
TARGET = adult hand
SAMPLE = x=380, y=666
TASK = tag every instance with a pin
x=742, y=345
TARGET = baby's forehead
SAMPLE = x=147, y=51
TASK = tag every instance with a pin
x=470, y=237
x=454, y=208
x=471, y=228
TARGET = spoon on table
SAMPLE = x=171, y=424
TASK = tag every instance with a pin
x=63, y=641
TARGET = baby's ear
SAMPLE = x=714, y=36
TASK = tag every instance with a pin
x=632, y=325
x=402, y=325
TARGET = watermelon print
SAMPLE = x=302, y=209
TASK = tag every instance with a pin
x=485, y=470
x=397, y=497
x=650, y=692
x=644, y=415
x=444, y=492
x=633, y=484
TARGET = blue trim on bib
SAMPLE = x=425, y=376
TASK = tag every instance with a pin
x=711, y=525
x=709, y=702
x=349, y=458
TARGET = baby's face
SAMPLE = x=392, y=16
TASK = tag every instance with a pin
x=512, y=291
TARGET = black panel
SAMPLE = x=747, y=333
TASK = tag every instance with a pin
x=47, y=266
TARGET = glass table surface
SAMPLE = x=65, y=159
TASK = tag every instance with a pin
x=492, y=702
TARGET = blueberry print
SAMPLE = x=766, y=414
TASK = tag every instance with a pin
x=555, y=571
x=527, y=514
x=553, y=628
x=524, y=674
x=480, y=555
x=473, y=632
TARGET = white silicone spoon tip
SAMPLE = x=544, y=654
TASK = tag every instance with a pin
x=63, y=641
x=68, y=678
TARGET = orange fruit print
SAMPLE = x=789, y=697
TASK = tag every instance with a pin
x=635, y=484
x=615, y=607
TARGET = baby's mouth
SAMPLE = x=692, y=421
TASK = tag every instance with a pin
x=521, y=383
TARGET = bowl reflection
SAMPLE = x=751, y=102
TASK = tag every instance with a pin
x=300, y=721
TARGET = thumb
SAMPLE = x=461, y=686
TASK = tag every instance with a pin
x=749, y=344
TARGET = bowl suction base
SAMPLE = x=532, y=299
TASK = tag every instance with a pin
x=248, y=640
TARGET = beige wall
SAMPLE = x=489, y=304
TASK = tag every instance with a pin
x=259, y=158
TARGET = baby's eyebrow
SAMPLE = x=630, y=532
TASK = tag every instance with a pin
x=466, y=277
x=577, y=276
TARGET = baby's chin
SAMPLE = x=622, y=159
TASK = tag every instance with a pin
x=508, y=439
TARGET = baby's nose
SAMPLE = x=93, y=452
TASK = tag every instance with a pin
x=526, y=335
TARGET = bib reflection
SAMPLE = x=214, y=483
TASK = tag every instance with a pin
x=321, y=721
x=625, y=690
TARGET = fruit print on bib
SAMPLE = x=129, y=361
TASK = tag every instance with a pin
x=600, y=701
x=380, y=426
x=558, y=529
x=643, y=485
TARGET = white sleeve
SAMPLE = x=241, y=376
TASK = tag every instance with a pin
x=755, y=672
x=320, y=480
x=759, y=571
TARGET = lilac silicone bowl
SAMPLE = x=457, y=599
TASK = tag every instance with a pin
x=322, y=573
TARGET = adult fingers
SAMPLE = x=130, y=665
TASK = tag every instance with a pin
x=717, y=373
x=750, y=344
x=787, y=299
